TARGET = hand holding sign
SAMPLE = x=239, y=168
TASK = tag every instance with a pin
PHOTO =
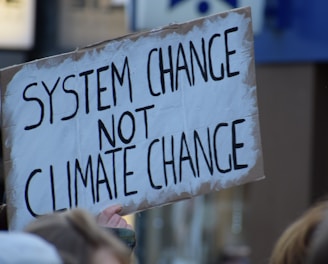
x=110, y=218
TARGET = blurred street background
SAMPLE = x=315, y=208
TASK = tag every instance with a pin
x=241, y=224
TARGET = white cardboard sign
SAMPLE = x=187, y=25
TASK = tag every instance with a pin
x=144, y=120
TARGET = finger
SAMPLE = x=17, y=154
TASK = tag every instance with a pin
x=102, y=219
x=109, y=222
x=121, y=224
x=111, y=210
x=107, y=214
x=114, y=220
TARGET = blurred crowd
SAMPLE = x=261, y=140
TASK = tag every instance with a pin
x=77, y=237
x=70, y=237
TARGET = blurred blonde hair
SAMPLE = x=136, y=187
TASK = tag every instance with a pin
x=318, y=252
x=293, y=245
x=77, y=237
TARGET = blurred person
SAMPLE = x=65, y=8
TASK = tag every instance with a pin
x=293, y=245
x=108, y=218
x=318, y=253
x=79, y=239
x=23, y=248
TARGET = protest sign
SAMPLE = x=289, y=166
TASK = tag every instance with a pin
x=144, y=120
